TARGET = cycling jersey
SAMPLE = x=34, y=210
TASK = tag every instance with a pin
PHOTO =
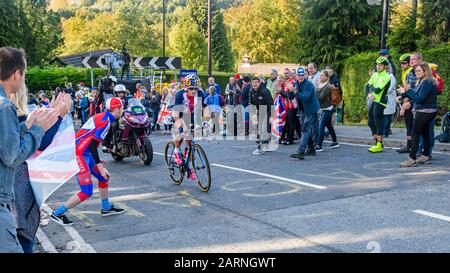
x=380, y=81
x=184, y=102
x=96, y=128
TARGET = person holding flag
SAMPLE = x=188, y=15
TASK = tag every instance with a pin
x=87, y=141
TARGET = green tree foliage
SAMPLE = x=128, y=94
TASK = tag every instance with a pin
x=266, y=30
x=436, y=20
x=187, y=41
x=338, y=29
x=27, y=24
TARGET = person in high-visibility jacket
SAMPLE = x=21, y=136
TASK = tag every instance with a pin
x=376, y=89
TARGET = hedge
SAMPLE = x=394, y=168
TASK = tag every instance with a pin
x=49, y=78
x=353, y=74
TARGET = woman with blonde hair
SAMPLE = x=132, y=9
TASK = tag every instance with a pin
x=25, y=208
x=424, y=110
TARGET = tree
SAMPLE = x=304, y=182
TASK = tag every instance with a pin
x=10, y=34
x=436, y=20
x=338, y=29
x=187, y=41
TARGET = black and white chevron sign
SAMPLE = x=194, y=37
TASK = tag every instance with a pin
x=93, y=62
x=158, y=62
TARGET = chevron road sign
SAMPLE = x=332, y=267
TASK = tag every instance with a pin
x=139, y=62
x=93, y=62
x=158, y=62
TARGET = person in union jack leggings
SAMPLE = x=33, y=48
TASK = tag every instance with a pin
x=87, y=141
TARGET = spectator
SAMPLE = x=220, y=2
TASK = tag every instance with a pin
x=212, y=82
x=25, y=208
x=246, y=86
x=385, y=53
x=213, y=110
x=324, y=95
x=262, y=101
x=305, y=92
x=391, y=105
x=43, y=100
x=155, y=107
x=425, y=105
x=314, y=75
x=70, y=90
x=334, y=81
x=272, y=82
x=32, y=99
x=84, y=105
x=22, y=139
x=138, y=93
x=292, y=108
x=239, y=80
x=167, y=100
x=126, y=64
x=232, y=92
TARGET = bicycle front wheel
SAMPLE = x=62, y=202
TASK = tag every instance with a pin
x=176, y=171
x=201, y=167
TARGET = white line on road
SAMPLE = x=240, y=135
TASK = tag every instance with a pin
x=433, y=215
x=84, y=247
x=45, y=242
x=156, y=153
x=273, y=176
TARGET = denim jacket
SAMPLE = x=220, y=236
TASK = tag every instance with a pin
x=17, y=143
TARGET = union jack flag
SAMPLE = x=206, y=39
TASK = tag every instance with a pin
x=54, y=166
x=279, y=117
x=165, y=116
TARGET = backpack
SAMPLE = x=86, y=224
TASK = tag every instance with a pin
x=336, y=95
x=440, y=82
x=444, y=136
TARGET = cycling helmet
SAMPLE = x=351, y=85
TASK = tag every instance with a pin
x=192, y=80
x=113, y=79
x=405, y=57
x=382, y=60
x=120, y=88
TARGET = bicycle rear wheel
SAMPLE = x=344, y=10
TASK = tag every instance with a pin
x=201, y=167
x=176, y=172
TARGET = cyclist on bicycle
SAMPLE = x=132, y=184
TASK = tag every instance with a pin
x=189, y=101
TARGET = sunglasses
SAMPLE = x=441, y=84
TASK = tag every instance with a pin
x=193, y=88
x=404, y=62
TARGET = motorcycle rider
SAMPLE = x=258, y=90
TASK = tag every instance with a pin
x=120, y=91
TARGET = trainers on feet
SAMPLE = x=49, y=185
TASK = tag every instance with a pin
x=299, y=155
x=258, y=152
x=319, y=148
x=112, y=211
x=177, y=158
x=408, y=163
x=334, y=145
x=423, y=159
x=192, y=175
x=61, y=219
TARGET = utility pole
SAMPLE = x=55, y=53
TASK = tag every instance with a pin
x=209, y=40
x=164, y=27
x=384, y=26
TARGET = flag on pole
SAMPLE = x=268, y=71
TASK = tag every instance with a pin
x=279, y=117
x=54, y=166
x=165, y=116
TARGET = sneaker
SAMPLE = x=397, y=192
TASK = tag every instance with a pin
x=258, y=152
x=423, y=159
x=177, y=158
x=192, y=175
x=319, y=148
x=408, y=163
x=377, y=148
x=403, y=150
x=112, y=211
x=334, y=145
x=61, y=219
x=104, y=149
x=299, y=155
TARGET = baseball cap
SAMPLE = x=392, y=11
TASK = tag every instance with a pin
x=384, y=52
x=300, y=71
x=113, y=103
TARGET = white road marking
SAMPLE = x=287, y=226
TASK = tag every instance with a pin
x=432, y=215
x=84, y=247
x=272, y=176
x=45, y=242
x=156, y=153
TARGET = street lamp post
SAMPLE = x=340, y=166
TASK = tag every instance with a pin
x=209, y=40
x=164, y=27
x=384, y=26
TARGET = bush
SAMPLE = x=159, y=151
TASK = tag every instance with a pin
x=51, y=77
x=353, y=76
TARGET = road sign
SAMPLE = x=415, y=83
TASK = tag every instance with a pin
x=184, y=73
x=94, y=62
x=157, y=62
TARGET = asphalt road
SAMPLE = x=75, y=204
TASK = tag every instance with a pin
x=342, y=200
